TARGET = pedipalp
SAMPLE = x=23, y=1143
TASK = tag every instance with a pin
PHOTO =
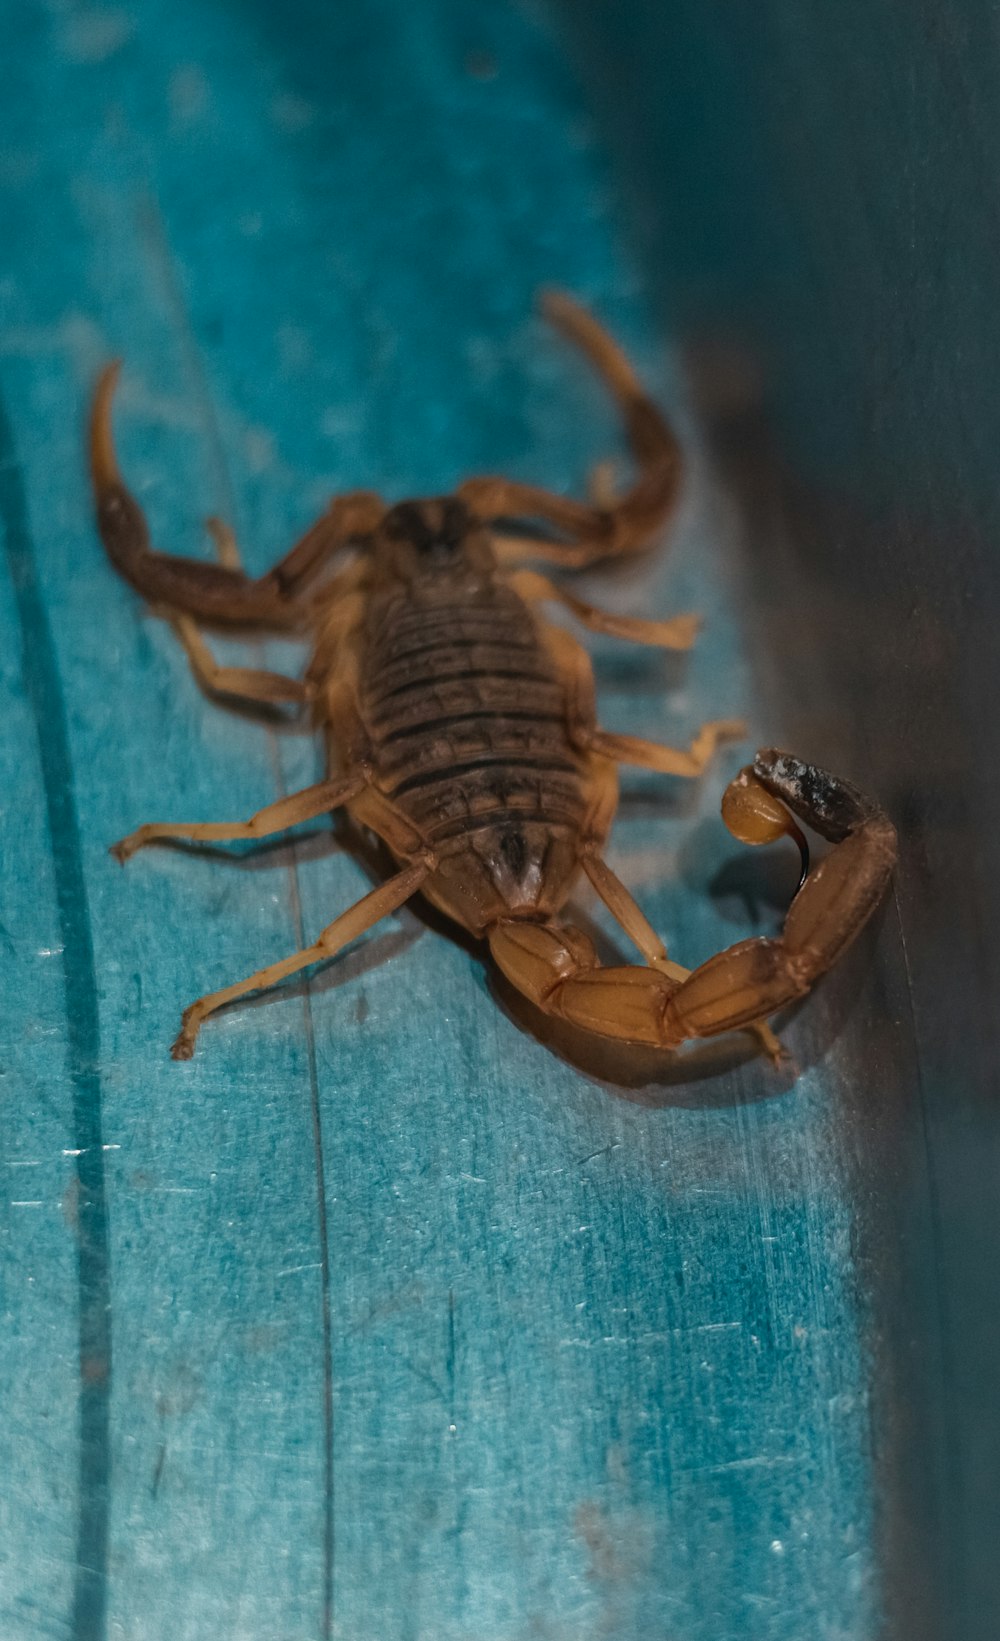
x=626, y=524
x=212, y=592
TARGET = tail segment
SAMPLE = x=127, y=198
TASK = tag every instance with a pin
x=663, y=1005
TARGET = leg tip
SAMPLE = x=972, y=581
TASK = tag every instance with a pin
x=686, y=629
x=553, y=303
x=729, y=729
x=771, y=1045
x=183, y=1045
x=602, y=490
x=103, y=461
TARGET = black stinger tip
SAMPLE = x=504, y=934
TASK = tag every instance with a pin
x=802, y=844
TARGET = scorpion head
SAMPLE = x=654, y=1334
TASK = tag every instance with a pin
x=423, y=542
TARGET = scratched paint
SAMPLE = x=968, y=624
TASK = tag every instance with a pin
x=418, y=1331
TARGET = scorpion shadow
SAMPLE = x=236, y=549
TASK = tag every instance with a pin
x=707, y=1074
x=718, y=1072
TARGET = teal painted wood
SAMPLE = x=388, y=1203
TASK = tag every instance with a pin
x=416, y=1330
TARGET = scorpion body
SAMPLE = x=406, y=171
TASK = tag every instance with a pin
x=461, y=730
x=466, y=717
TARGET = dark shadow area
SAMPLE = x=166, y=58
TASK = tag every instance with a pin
x=697, y=1077
x=374, y=950
x=317, y=842
x=811, y=193
x=754, y=888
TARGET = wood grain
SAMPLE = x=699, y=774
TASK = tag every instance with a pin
x=416, y=1330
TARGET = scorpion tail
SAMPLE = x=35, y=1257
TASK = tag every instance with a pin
x=663, y=1005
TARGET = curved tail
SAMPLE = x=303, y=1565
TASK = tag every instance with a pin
x=663, y=1005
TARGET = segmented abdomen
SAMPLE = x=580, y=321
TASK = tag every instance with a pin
x=468, y=718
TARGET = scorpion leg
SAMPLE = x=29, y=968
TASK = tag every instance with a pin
x=629, y=914
x=609, y=887
x=574, y=665
x=388, y=897
x=678, y=633
x=578, y=680
x=667, y=760
x=557, y=967
x=212, y=592
x=227, y=548
x=276, y=817
x=623, y=907
x=628, y=522
x=250, y=684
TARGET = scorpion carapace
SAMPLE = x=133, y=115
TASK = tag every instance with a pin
x=461, y=729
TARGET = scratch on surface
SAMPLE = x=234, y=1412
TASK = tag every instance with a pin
x=450, y=1357
x=158, y=1469
x=603, y=1151
x=761, y=1461
x=292, y=1270
x=659, y=1337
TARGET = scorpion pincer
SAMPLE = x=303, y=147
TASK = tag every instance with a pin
x=460, y=728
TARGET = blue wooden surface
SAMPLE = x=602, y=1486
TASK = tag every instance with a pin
x=378, y=1320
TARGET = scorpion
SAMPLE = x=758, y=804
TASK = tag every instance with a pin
x=461, y=729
